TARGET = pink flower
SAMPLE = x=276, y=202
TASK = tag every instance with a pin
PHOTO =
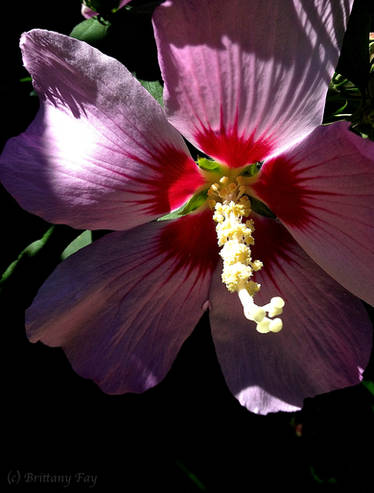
x=244, y=82
x=87, y=12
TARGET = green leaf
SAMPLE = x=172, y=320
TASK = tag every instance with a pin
x=28, y=252
x=25, y=275
x=80, y=241
x=199, y=484
x=101, y=5
x=369, y=384
x=342, y=108
x=91, y=30
x=155, y=89
x=320, y=480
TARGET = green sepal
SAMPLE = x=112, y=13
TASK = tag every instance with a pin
x=251, y=169
x=194, y=203
x=209, y=165
x=91, y=30
x=262, y=209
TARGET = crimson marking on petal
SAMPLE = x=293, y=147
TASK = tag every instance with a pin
x=284, y=190
x=272, y=242
x=177, y=177
x=228, y=147
x=191, y=242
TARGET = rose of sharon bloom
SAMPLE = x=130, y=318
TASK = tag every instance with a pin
x=88, y=13
x=244, y=82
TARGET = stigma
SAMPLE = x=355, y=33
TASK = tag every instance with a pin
x=231, y=205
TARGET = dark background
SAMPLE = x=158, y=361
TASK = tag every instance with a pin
x=187, y=434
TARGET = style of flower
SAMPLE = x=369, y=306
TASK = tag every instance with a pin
x=245, y=82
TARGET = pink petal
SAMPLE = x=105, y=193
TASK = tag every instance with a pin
x=244, y=78
x=100, y=153
x=323, y=191
x=122, y=307
x=326, y=338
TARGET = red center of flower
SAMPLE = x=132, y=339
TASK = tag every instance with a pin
x=232, y=149
x=281, y=186
x=191, y=242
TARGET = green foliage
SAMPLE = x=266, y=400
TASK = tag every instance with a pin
x=369, y=385
x=354, y=58
x=351, y=92
x=33, y=265
x=319, y=479
x=81, y=241
x=190, y=475
x=155, y=88
x=93, y=30
x=102, y=6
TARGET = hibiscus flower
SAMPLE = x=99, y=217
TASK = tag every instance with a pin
x=245, y=83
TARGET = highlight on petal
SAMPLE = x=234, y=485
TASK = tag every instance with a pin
x=323, y=192
x=326, y=338
x=100, y=153
x=122, y=307
x=245, y=78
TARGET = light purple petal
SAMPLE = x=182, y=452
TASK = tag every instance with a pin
x=100, y=153
x=243, y=78
x=122, y=307
x=122, y=3
x=326, y=338
x=87, y=12
x=323, y=191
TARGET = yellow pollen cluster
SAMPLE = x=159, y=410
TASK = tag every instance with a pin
x=231, y=205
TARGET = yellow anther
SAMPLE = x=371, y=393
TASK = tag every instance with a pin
x=235, y=238
x=276, y=325
x=211, y=203
x=246, y=180
x=257, y=265
x=263, y=326
x=241, y=180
